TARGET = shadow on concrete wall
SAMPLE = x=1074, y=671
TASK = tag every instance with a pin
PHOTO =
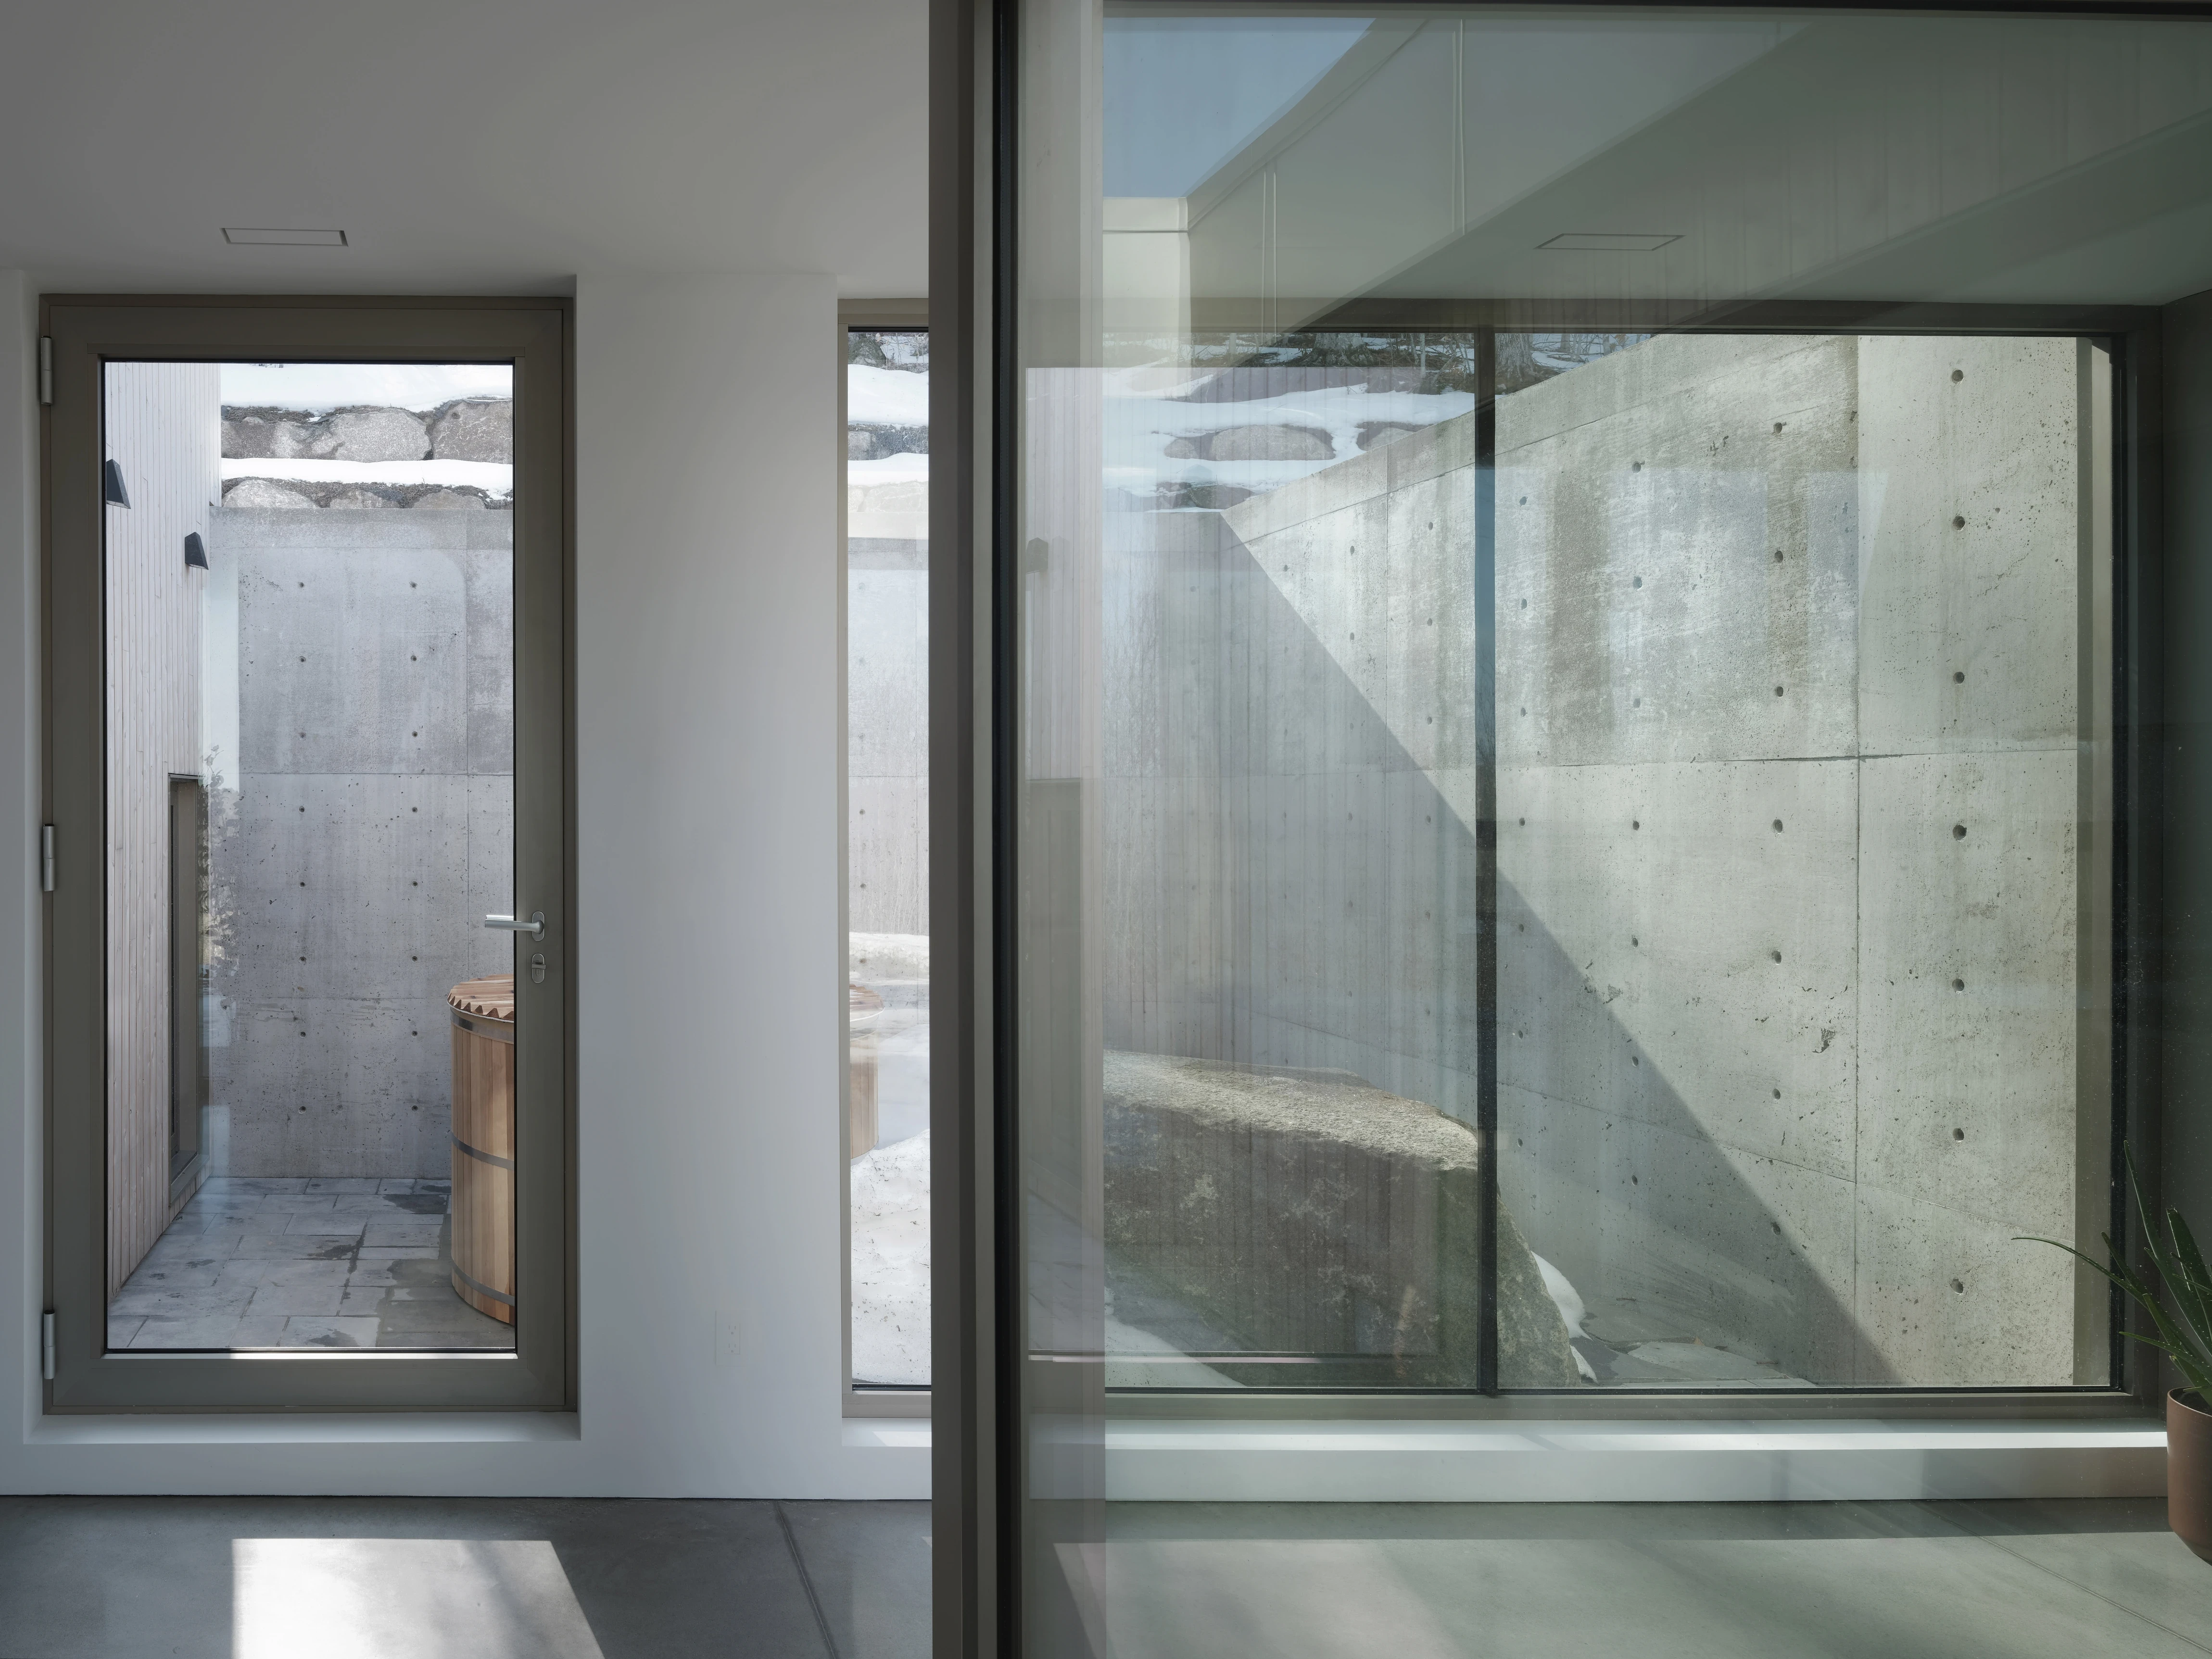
x=1286, y=886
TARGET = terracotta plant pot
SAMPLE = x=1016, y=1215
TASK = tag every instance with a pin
x=2189, y=1471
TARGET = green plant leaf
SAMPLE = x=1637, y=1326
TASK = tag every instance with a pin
x=2195, y=1292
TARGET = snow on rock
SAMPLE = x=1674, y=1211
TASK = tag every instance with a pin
x=885, y=397
x=494, y=478
x=890, y=1263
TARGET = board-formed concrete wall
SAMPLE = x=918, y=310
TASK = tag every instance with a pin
x=367, y=831
x=1788, y=775
x=887, y=734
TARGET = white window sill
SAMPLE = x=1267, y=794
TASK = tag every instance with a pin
x=320, y=1429
x=1617, y=1462
x=887, y=1433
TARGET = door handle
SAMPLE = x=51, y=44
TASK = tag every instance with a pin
x=535, y=926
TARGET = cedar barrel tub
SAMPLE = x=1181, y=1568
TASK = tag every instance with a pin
x=862, y=1007
x=483, y=1144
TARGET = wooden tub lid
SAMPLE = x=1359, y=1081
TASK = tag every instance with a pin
x=489, y=997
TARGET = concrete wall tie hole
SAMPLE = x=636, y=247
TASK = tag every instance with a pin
x=1776, y=954
x=1777, y=826
x=1958, y=676
x=1957, y=375
x=1958, y=1134
x=1958, y=832
x=1958, y=985
x=1958, y=521
x=1959, y=1286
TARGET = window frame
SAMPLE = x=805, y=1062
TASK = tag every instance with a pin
x=872, y=1399
x=86, y=331
x=2132, y=335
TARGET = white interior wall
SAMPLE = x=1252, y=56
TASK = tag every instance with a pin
x=709, y=968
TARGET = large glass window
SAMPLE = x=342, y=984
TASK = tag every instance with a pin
x=1475, y=695
x=1564, y=581
x=1793, y=1012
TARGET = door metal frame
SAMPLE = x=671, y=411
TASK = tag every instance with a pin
x=86, y=331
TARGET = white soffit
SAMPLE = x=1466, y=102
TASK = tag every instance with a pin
x=498, y=147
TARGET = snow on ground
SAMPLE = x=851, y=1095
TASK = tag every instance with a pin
x=493, y=478
x=905, y=467
x=890, y=1263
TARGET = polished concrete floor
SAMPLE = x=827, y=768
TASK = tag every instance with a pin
x=403, y=1578
x=2075, y=1580
x=352, y=1261
x=460, y=1579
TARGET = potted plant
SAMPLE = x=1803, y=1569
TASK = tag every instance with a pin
x=2185, y=1336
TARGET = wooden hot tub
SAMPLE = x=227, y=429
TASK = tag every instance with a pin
x=483, y=1144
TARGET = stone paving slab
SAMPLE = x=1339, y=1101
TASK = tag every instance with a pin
x=302, y=1261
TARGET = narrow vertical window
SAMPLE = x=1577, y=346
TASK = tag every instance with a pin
x=886, y=1132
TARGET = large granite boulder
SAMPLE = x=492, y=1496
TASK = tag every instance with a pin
x=347, y=435
x=261, y=493
x=1313, y=1216
x=479, y=430
x=1256, y=443
x=374, y=435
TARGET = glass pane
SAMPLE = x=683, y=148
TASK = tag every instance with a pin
x=311, y=739
x=1803, y=856
x=1564, y=608
x=887, y=896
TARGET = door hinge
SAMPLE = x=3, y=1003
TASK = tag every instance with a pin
x=46, y=368
x=46, y=1341
x=47, y=858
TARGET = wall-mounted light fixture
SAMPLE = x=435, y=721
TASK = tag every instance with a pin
x=116, y=495
x=195, y=550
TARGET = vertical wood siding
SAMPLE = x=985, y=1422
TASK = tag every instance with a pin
x=164, y=431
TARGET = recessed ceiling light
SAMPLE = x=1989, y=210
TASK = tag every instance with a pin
x=1607, y=241
x=235, y=234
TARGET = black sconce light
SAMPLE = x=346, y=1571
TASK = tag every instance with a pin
x=195, y=550
x=116, y=495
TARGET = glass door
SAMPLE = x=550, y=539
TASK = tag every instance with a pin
x=331, y=1111
x=310, y=581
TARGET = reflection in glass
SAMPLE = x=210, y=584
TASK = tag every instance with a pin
x=887, y=896
x=311, y=812
x=1474, y=701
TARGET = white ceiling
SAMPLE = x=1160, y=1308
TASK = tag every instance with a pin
x=463, y=145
